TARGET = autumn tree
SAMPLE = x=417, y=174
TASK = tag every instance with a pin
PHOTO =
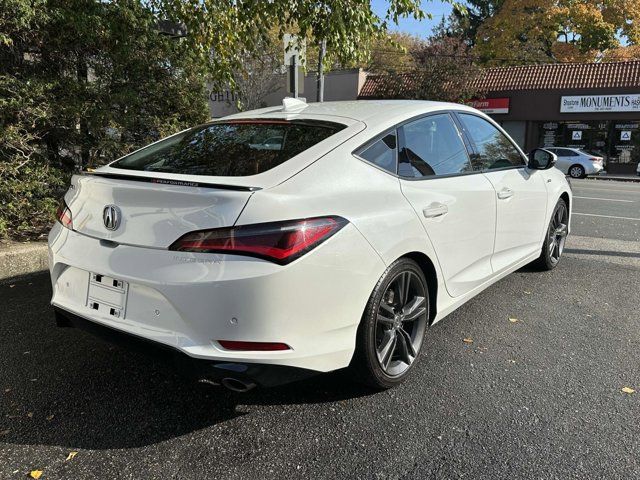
x=525, y=31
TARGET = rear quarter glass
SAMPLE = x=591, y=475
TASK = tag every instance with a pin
x=230, y=149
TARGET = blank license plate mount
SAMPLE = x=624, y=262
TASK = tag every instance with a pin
x=107, y=295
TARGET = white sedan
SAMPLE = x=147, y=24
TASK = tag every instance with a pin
x=577, y=163
x=372, y=221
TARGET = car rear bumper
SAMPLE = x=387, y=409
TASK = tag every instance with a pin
x=190, y=301
x=208, y=371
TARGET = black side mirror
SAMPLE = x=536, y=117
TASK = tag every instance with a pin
x=541, y=159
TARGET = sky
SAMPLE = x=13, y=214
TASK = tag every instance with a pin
x=408, y=25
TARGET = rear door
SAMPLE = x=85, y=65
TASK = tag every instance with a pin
x=521, y=194
x=456, y=205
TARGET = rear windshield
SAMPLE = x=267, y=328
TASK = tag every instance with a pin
x=230, y=149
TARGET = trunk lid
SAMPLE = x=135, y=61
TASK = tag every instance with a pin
x=150, y=212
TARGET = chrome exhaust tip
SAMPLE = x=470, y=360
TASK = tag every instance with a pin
x=237, y=385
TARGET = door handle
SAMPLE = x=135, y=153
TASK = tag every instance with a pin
x=435, y=210
x=505, y=193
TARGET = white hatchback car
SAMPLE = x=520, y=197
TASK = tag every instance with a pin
x=577, y=163
x=372, y=221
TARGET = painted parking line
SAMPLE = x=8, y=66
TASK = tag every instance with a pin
x=604, y=199
x=606, y=216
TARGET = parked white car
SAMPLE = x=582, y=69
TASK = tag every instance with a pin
x=373, y=220
x=577, y=163
x=638, y=169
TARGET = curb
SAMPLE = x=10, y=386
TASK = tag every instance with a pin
x=20, y=259
x=616, y=179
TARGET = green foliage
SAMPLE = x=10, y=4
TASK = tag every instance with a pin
x=81, y=83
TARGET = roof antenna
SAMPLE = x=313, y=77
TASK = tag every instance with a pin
x=290, y=104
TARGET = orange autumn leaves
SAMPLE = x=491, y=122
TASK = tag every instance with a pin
x=527, y=31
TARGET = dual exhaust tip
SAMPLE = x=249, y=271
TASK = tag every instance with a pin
x=230, y=383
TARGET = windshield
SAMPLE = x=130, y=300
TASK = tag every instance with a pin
x=232, y=148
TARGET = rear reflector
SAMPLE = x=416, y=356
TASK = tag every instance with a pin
x=63, y=214
x=279, y=242
x=253, y=346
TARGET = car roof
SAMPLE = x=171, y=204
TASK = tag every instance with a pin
x=365, y=111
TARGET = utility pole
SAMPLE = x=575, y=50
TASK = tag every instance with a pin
x=321, y=54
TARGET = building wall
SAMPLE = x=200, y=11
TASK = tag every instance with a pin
x=338, y=85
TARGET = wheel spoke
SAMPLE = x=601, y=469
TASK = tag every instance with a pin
x=405, y=347
x=414, y=309
x=403, y=288
x=386, y=349
x=385, y=321
x=387, y=308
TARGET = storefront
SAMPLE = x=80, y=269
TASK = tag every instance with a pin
x=591, y=106
x=594, y=107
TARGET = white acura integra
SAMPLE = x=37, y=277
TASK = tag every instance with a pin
x=254, y=260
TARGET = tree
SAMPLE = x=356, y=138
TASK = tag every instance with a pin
x=465, y=22
x=525, y=31
x=221, y=31
x=82, y=82
x=444, y=71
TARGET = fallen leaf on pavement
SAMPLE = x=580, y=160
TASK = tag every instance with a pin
x=71, y=455
x=4, y=432
x=628, y=390
x=50, y=417
x=513, y=320
x=30, y=414
x=35, y=474
x=527, y=293
x=468, y=340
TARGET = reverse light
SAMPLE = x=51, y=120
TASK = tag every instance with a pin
x=253, y=346
x=279, y=242
x=63, y=215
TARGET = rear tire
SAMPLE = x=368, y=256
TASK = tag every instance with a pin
x=557, y=231
x=577, y=171
x=392, y=329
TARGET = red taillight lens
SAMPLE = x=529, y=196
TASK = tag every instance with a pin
x=63, y=214
x=596, y=160
x=253, y=346
x=280, y=242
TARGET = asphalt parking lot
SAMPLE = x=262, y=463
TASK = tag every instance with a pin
x=539, y=397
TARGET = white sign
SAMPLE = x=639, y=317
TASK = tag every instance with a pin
x=294, y=46
x=625, y=135
x=577, y=135
x=600, y=103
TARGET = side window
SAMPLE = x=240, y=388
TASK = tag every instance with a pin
x=382, y=153
x=431, y=146
x=495, y=150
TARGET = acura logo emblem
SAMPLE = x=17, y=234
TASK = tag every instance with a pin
x=111, y=217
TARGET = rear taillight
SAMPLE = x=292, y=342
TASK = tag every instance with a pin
x=63, y=214
x=596, y=160
x=279, y=242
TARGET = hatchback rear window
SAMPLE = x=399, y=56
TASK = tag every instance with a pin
x=230, y=149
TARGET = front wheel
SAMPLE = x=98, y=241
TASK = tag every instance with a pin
x=556, y=236
x=393, y=326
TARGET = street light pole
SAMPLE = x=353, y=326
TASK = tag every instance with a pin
x=321, y=54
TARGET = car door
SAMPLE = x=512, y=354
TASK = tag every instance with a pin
x=456, y=205
x=565, y=159
x=521, y=194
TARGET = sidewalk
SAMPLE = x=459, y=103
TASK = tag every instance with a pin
x=21, y=258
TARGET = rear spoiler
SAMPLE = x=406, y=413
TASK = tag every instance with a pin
x=168, y=181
